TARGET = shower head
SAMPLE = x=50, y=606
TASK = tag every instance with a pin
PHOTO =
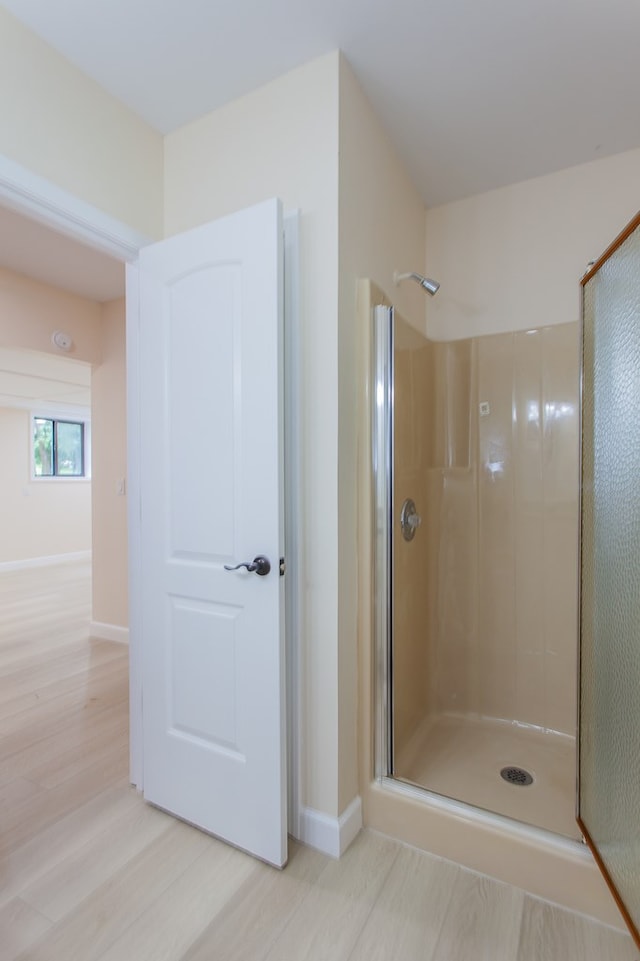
x=431, y=286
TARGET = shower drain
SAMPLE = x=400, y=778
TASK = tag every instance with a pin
x=516, y=775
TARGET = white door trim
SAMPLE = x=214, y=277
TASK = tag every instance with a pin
x=134, y=538
x=293, y=511
x=39, y=199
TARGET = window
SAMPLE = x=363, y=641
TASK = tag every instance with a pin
x=58, y=448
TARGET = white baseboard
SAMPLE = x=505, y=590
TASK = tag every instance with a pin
x=109, y=632
x=330, y=835
x=45, y=561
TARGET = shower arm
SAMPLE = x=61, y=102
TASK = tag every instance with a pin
x=431, y=286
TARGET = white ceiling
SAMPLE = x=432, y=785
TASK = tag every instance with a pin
x=475, y=94
x=30, y=248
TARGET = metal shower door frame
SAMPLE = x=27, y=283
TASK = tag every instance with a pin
x=382, y=468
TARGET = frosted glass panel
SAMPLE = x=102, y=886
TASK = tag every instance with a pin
x=609, y=790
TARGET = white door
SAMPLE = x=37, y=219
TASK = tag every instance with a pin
x=211, y=498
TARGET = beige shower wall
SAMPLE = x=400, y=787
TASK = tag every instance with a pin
x=485, y=595
x=432, y=466
x=530, y=532
x=502, y=624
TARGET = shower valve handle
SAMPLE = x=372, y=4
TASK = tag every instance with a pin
x=410, y=520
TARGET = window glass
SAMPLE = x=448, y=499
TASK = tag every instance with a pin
x=68, y=449
x=43, y=447
x=58, y=448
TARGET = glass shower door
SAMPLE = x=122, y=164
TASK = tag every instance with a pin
x=609, y=720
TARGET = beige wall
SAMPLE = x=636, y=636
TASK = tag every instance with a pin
x=109, y=466
x=62, y=126
x=282, y=140
x=31, y=311
x=41, y=518
x=312, y=138
x=59, y=124
x=511, y=259
x=381, y=228
x=382, y=225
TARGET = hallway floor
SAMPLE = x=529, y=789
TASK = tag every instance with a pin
x=89, y=872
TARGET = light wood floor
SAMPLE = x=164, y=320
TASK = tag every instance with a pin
x=89, y=872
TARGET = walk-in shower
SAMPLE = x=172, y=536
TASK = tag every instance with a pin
x=476, y=512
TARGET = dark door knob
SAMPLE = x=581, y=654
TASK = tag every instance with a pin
x=260, y=565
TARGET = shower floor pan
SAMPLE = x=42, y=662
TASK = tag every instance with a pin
x=462, y=758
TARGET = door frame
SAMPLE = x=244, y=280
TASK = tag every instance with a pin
x=39, y=199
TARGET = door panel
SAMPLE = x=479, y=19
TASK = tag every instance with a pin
x=609, y=723
x=211, y=483
x=199, y=426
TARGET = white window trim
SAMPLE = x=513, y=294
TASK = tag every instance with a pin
x=74, y=415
